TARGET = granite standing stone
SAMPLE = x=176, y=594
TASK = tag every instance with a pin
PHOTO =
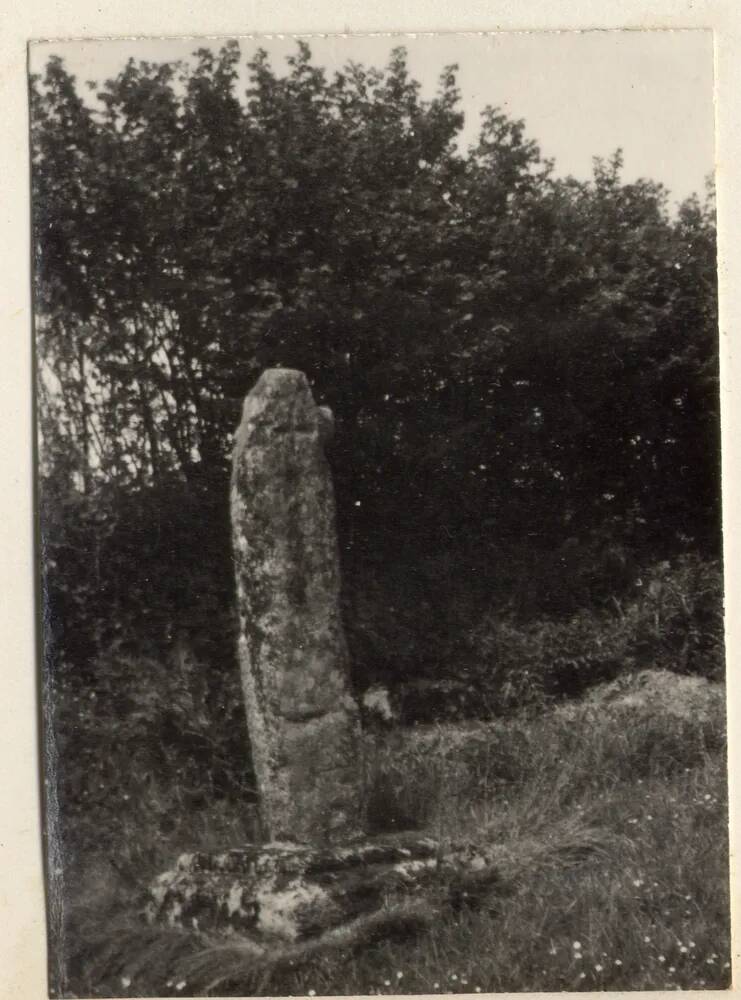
x=319, y=884
x=302, y=719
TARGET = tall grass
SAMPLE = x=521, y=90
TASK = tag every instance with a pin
x=610, y=829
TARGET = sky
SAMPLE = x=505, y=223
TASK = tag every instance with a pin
x=581, y=94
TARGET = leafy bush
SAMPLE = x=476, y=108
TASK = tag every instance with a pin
x=678, y=623
x=132, y=568
x=142, y=738
x=673, y=620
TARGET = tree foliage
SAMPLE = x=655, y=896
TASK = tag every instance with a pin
x=523, y=367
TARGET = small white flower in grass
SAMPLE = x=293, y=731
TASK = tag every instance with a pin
x=598, y=968
x=576, y=945
x=683, y=949
x=618, y=961
x=582, y=975
x=464, y=981
x=672, y=969
x=387, y=982
x=477, y=990
x=180, y=985
x=453, y=976
x=125, y=982
x=399, y=975
x=647, y=939
x=691, y=944
x=637, y=883
x=436, y=986
x=311, y=993
x=662, y=959
x=710, y=961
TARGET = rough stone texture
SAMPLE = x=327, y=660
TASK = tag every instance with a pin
x=302, y=720
x=660, y=691
x=317, y=883
x=289, y=893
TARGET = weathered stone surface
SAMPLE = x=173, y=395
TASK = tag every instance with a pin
x=316, y=883
x=302, y=720
x=292, y=893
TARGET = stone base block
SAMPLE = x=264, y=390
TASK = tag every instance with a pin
x=287, y=893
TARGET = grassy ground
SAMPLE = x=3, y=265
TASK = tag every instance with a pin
x=611, y=826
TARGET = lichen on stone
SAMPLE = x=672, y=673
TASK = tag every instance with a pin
x=292, y=650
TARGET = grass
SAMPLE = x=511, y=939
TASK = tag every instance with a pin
x=610, y=823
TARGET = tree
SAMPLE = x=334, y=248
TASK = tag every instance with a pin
x=515, y=360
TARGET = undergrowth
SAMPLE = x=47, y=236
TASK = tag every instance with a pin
x=672, y=619
x=610, y=824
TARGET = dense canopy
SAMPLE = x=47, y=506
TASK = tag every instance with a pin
x=523, y=367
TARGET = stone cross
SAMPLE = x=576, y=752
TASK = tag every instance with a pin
x=302, y=719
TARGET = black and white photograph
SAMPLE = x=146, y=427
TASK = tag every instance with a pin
x=378, y=500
